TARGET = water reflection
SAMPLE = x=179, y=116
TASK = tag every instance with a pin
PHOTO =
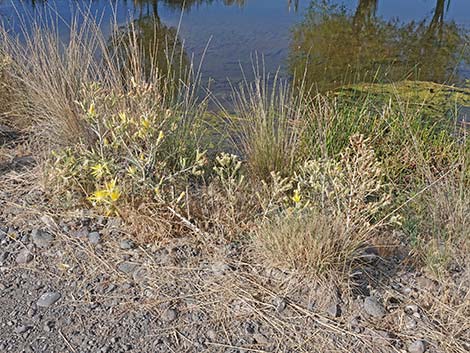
x=174, y=4
x=337, y=43
x=336, y=46
x=162, y=50
x=188, y=4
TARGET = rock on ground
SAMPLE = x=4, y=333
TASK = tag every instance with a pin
x=373, y=307
x=48, y=299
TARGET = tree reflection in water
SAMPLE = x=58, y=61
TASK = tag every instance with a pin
x=334, y=46
x=161, y=47
x=162, y=52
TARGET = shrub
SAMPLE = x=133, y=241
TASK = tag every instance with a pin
x=402, y=134
x=125, y=133
x=141, y=151
x=333, y=210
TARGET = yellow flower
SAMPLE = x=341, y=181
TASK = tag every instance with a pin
x=113, y=191
x=99, y=196
x=92, y=110
x=161, y=136
x=296, y=198
x=114, y=195
x=99, y=170
x=131, y=170
x=145, y=124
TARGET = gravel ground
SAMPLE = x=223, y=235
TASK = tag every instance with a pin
x=78, y=283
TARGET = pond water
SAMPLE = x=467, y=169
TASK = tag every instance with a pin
x=336, y=42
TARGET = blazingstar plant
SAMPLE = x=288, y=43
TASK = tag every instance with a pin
x=137, y=153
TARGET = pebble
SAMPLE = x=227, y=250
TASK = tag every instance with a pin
x=211, y=335
x=127, y=267
x=410, y=323
x=280, y=304
x=411, y=309
x=260, y=338
x=22, y=329
x=94, y=238
x=41, y=239
x=48, y=299
x=169, y=315
x=126, y=244
x=373, y=307
x=334, y=310
x=24, y=256
x=417, y=347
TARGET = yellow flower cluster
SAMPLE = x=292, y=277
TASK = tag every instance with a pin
x=99, y=170
x=108, y=196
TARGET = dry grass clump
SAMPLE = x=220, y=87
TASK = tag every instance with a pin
x=267, y=124
x=4, y=94
x=53, y=75
x=49, y=75
x=334, y=211
x=7, y=96
x=440, y=225
x=310, y=242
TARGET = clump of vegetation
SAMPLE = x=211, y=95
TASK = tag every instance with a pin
x=335, y=208
x=267, y=124
x=125, y=134
x=6, y=91
x=140, y=151
x=438, y=218
x=315, y=179
x=403, y=134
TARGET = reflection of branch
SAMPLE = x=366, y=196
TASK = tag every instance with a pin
x=141, y=3
x=334, y=46
x=437, y=21
x=365, y=13
x=296, y=5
